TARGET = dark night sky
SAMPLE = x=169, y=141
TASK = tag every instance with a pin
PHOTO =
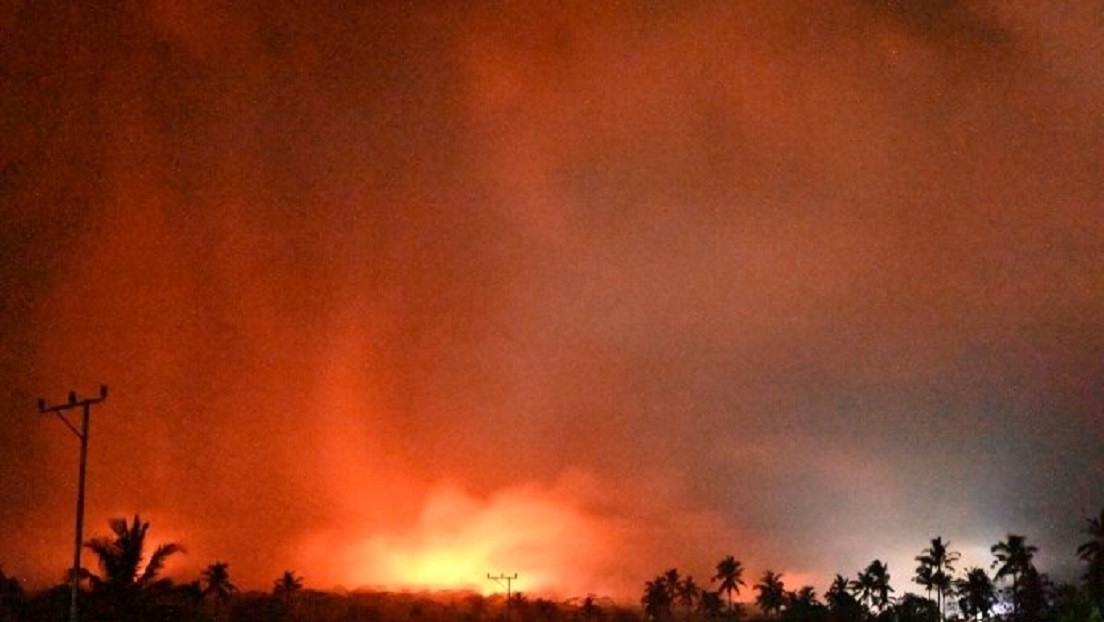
x=395, y=294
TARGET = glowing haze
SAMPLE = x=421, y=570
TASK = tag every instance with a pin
x=458, y=540
x=401, y=296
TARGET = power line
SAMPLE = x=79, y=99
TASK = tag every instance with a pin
x=85, y=406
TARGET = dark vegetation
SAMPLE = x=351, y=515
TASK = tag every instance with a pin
x=128, y=587
x=1012, y=590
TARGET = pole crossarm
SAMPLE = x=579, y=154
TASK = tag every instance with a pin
x=73, y=402
x=503, y=577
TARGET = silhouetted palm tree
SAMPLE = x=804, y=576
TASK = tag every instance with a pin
x=125, y=575
x=120, y=558
x=656, y=599
x=687, y=593
x=976, y=594
x=837, y=591
x=1013, y=558
x=218, y=587
x=287, y=586
x=772, y=593
x=1092, y=553
x=880, y=572
x=872, y=586
x=862, y=588
x=923, y=576
x=936, y=569
x=841, y=604
x=730, y=574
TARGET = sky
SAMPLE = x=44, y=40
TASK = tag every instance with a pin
x=402, y=294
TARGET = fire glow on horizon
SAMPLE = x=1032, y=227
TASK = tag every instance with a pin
x=458, y=539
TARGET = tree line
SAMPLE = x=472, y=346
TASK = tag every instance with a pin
x=129, y=587
x=1011, y=589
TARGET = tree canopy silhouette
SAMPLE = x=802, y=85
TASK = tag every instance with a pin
x=871, y=587
x=976, y=594
x=1013, y=559
x=287, y=586
x=936, y=570
x=772, y=593
x=125, y=574
x=1092, y=553
x=687, y=593
x=730, y=574
x=217, y=585
x=656, y=599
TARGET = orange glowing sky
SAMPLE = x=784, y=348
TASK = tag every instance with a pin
x=404, y=295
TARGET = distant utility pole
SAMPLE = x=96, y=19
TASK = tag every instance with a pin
x=500, y=578
x=85, y=405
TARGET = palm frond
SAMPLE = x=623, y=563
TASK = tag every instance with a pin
x=157, y=561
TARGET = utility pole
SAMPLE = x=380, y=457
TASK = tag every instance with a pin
x=85, y=405
x=508, y=580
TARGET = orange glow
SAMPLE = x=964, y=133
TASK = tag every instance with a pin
x=458, y=539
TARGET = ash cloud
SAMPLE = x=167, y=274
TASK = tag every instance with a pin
x=807, y=284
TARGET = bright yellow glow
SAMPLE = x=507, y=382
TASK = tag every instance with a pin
x=455, y=567
x=459, y=539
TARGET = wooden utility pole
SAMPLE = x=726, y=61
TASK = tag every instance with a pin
x=85, y=405
x=508, y=581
